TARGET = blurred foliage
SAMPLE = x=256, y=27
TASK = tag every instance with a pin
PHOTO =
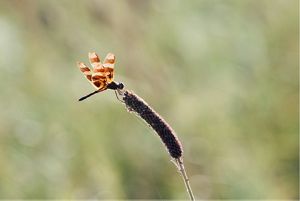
x=224, y=74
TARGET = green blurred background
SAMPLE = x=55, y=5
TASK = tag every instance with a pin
x=224, y=74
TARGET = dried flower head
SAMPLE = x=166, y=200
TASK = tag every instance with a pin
x=165, y=132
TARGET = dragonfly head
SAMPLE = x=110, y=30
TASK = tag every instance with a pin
x=120, y=85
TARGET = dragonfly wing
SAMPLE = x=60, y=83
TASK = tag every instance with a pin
x=108, y=65
x=99, y=80
x=95, y=62
x=85, y=70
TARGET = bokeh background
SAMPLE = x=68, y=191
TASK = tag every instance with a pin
x=224, y=74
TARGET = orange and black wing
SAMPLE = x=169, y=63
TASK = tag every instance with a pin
x=85, y=70
x=102, y=74
x=97, y=79
x=108, y=67
x=95, y=62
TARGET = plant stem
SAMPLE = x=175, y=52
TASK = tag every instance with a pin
x=181, y=168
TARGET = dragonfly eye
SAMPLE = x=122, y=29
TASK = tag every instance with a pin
x=120, y=85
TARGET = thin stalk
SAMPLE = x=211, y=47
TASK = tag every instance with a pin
x=185, y=178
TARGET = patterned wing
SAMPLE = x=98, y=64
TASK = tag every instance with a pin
x=99, y=80
x=95, y=62
x=102, y=74
x=108, y=67
x=85, y=70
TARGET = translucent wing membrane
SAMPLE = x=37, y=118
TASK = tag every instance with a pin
x=108, y=66
x=99, y=81
x=85, y=70
x=95, y=60
x=109, y=59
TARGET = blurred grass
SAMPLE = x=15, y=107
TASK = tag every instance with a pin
x=224, y=74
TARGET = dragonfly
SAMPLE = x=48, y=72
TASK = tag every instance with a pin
x=101, y=76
